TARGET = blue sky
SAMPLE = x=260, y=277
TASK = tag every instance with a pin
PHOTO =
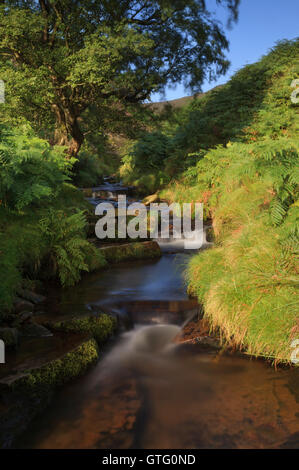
x=261, y=24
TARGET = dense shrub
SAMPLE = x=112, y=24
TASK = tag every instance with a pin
x=144, y=161
x=238, y=148
x=67, y=250
x=31, y=171
x=87, y=170
x=42, y=221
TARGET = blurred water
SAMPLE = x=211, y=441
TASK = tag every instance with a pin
x=148, y=392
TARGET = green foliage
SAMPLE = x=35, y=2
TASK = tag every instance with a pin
x=141, y=165
x=150, y=152
x=42, y=223
x=244, y=147
x=248, y=287
x=10, y=274
x=88, y=170
x=57, y=58
x=67, y=248
x=254, y=104
x=31, y=172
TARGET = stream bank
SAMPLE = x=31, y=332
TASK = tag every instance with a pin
x=149, y=392
x=158, y=385
x=43, y=353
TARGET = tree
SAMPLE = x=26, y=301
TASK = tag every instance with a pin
x=60, y=56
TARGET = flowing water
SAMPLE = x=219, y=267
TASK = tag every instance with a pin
x=148, y=392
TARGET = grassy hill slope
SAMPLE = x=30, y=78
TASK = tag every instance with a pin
x=236, y=150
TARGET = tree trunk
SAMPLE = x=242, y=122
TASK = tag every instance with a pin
x=77, y=138
x=67, y=125
x=60, y=132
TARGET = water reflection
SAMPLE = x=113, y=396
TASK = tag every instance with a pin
x=149, y=393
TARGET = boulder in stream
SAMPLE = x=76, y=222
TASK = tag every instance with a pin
x=31, y=296
x=34, y=330
x=30, y=377
x=20, y=305
x=99, y=325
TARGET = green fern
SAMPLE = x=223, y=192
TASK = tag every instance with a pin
x=67, y=249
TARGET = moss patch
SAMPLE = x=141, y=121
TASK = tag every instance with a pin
x=60, y=371
x=24, y=396
x=130, y=251
x=101, y=326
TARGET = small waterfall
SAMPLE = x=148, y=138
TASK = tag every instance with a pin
x=193, y=240
x=140, y=346
x=110, y=195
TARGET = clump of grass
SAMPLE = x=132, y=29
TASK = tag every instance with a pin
x=249, y=287
x=237, y=151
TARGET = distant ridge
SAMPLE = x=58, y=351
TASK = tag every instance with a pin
x=178, y=103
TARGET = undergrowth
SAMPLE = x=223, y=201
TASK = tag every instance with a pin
x=236, y=150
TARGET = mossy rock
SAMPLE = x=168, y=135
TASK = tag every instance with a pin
x=9, y=336
x=131, y=251
x=24, y=395
x=100, y=326
x=60, y=371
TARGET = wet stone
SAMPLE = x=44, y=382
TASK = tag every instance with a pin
x=20, y=305
x=31, y=296
x=34, y=330
x=9, y=336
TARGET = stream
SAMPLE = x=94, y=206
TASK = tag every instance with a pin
x=148, y=392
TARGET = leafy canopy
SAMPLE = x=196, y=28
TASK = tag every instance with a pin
x=58, y=57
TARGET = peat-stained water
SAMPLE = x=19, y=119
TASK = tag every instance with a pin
x=149, y=393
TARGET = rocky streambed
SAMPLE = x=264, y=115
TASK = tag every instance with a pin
x=43, y=350
x=158, y=385
x=162, y=382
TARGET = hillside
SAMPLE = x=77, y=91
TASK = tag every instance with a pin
x=178, y=103
x=236, y=150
